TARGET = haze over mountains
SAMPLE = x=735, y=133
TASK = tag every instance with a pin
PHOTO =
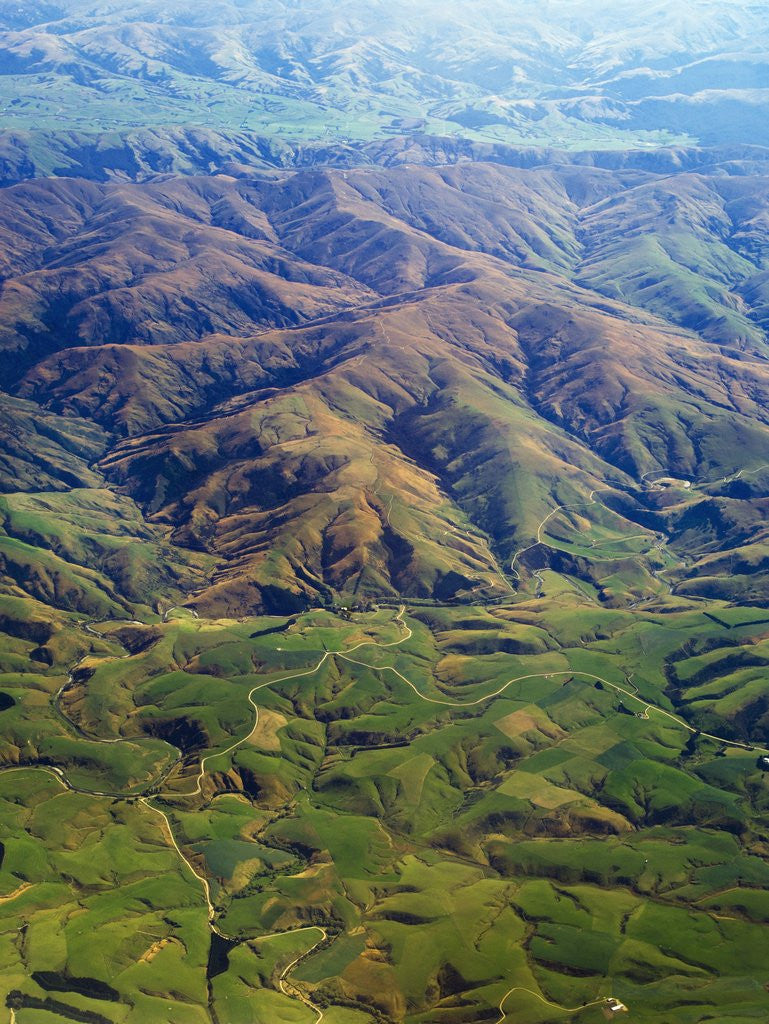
x=582, y=74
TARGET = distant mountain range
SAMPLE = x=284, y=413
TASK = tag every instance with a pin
x=576, y=74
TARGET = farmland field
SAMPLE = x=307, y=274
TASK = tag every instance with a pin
x=431, y=827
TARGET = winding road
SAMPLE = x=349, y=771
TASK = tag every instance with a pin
x=554, y=512
x=565, y=1009
x=661, y=539
x=59, y=775
x=284, y=983
x=574, y=673
x=289, y=989
x=180, y=608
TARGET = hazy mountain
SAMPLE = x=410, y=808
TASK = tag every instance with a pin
x=576, y=74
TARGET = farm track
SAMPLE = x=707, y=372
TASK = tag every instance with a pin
x=547, y=1002
x=660, y=542
x=286, y=986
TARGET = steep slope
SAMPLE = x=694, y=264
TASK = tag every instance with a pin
x=45, y=452
x=97, y=266
x=687, y=248
x=455, y=381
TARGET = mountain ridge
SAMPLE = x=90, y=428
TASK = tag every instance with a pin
x=448, y=304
